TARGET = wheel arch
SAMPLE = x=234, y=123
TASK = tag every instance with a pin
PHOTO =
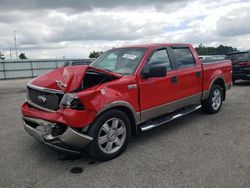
x=219, y=80
x=126, y=108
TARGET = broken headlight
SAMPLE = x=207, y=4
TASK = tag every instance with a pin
x=71, y=101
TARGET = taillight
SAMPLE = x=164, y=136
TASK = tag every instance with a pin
x=244, y=64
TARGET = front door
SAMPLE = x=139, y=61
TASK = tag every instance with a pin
x=158, y=95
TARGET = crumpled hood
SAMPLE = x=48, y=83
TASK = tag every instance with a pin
x=69, y=78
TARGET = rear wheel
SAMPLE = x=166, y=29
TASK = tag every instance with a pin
x=111, y=132
x=214, y=102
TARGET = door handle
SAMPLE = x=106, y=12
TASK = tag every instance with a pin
x=198, y=74
x=174, y=80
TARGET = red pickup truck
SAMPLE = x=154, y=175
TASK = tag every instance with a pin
x=127, y=90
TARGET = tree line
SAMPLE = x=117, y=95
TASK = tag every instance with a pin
x=201, y=50
x=95, y=54
x=220, y=50
x=21, y=56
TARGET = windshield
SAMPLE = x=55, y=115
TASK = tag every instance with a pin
x=123, y=60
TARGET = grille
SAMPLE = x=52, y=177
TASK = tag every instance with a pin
x=45, y=99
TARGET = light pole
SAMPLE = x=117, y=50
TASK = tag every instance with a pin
x=15, y=44
x=10, y=55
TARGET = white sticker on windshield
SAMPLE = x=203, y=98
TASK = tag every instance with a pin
x=129, y=56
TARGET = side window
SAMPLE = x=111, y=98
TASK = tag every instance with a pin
x=184, y=57
x=160, y=57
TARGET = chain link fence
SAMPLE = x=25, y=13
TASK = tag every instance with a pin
x=31, y=68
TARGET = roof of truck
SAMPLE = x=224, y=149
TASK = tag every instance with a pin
x=154, y=45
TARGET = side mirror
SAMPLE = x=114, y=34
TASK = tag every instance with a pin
x=154, y=70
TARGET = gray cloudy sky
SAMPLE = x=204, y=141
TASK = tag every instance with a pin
x=73, y=28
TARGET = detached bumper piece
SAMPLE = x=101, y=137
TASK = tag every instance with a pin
x=60, y=138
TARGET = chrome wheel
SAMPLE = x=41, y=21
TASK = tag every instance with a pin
x=112, y=135
x=216, y=99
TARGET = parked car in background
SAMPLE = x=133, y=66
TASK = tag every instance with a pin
x=79, y=62
x=241, y=65
x=126, y=90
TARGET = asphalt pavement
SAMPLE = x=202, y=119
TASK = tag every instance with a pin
x=198, y=150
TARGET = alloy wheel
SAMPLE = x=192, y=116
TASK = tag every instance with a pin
x=216, y=99
x=112, y=135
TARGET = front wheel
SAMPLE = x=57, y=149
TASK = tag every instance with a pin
x=214, y=102
x=111, y=132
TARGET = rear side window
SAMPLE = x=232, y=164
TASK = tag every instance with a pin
x=184, y=57
x=161, y=57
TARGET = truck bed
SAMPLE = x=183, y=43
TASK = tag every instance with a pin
x=216, y=67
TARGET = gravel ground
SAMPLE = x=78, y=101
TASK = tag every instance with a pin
x=198, y=150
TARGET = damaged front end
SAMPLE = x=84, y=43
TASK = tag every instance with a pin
x=61, y=104
x=94, y=76
x=73, y=78
x=59, y=137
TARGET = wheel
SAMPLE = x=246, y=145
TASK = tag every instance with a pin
x=213, y=103
x=111, y=132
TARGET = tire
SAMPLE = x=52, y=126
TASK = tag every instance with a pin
x=213, y=104
x=111, y=132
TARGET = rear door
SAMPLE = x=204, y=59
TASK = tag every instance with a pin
x=158, y=95
x=189, y=75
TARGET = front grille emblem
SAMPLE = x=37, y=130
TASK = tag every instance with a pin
x=41, y=99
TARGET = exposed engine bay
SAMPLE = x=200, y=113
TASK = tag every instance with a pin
x=92, y=78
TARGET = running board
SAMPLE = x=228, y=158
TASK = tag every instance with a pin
x=169, y=117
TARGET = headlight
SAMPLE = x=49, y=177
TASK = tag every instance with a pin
x=71, y=101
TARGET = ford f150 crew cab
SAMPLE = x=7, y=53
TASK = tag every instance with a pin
x=126, y=90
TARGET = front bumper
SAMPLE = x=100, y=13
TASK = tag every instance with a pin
x=67, y=116
x=70, y=141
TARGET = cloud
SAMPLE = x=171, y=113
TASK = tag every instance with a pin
x=235, y=24
x=80, y=5
x=74, y=28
